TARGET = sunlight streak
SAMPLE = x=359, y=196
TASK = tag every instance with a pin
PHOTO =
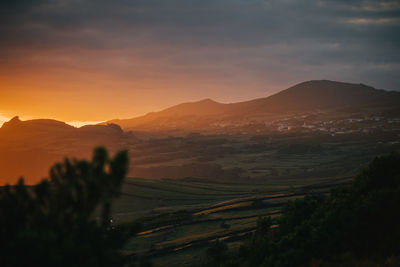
x=3, y=119
x=79, y=124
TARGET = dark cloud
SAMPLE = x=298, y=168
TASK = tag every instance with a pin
x=275, y=42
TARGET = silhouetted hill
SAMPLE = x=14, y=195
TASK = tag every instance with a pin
x=314, y=95
x=176, y=114
x=315, y=108
x=38, y=125
x=311, y=96
x=28, y=148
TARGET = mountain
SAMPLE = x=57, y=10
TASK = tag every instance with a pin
x=178, y=114
x=28, y=148
x=319, y=95
x=307, y=97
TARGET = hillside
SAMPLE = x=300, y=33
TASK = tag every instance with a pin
x=321, y=119
x=353, y=225
x=306, y=97
x=183, y=115
x=28, y=148
x=320, y=95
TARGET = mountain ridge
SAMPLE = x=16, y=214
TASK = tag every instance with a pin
x=308, y=96
x=29, y=147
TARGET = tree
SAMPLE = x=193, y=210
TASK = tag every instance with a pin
x=357, y=224
x=65, y=221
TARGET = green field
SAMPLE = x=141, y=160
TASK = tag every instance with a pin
x=181, y=217
x=243, y=178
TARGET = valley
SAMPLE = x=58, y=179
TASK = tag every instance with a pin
x=204, y=171
x=180, y=218
x=336, y=129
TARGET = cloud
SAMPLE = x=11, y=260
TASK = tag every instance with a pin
x=218, y=46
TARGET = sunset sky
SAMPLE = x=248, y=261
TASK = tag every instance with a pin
x=93, y=60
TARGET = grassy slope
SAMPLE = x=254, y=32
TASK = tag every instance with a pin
x=180, y=217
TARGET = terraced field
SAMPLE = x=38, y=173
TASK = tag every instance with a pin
x=181, y=217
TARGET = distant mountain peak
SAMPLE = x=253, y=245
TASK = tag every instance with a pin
x=207, y=100
x=36, y=124
x=305, y=97
x=329, y=84
x=15, y=119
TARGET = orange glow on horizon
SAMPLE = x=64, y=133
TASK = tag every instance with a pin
x=76, y=124
x=73, y=84
x=3, y=119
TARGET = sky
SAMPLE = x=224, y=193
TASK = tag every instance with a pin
x=93, y=60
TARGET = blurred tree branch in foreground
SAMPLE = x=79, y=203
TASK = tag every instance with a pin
x=65, y=221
